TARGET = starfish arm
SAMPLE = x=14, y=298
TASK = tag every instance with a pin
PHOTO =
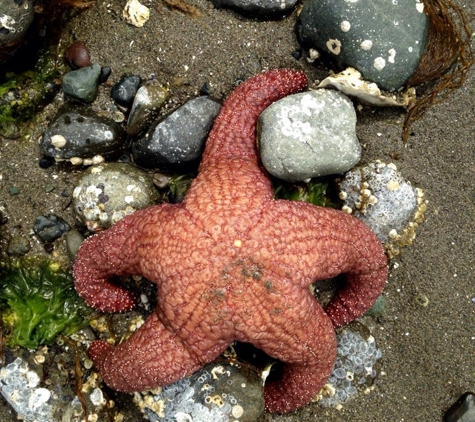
x=153, y=356
x=233, y=134
x=113, y=252
x=303, y=338
x=322, y=243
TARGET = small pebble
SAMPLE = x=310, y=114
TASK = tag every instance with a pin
x=105, y=73
x=78, y=55
x=73, y=242
x=82, y=84
x=123, y=92
x=18, y=246
x=50, y=227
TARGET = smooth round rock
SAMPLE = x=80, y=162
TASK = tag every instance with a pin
x=78, y=132
x=15, y=20
x=178, y=138
x=82, y=84
x=50, y=227
x=147, y=103
x=258, y=7
x=78, y=55
x=218, y=392
x=73, y=242
x=123, y=92
x=463, y=410
x=384, y=40
x=108, y=192
x=308, y=135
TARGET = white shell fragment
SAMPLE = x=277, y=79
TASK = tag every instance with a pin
x=135, y=13
x=350, y=82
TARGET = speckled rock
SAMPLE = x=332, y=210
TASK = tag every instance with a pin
x=50, y=227
x=378, y=195
x=179, y=138
x=123, y=92
x=82, y=84
x=308, y=135
x=78, y=134
x=384, y=40
x=15, y=19
x=147, y=103
x=18, y=246
x=110, y=191
x=258, y=7
x=219, y=392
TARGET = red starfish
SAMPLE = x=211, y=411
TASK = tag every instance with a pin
x=233, y=264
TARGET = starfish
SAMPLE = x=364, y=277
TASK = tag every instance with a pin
x=232, y=264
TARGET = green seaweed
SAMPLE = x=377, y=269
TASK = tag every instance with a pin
x=316, y=191
x=38, y=302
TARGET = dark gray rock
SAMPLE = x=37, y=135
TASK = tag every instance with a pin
x=79, y=133
x=384, y=40
x=147, y=103
x=15, y=19
x=123, y=92
x=108, y=192
x=217, y=392
x=258, y=7
x=50, y=227
x=82, y=84
x=180, y=137
x=307, y=135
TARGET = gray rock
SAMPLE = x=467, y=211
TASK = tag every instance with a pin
x=50, y=227
x=180, y=137
x=73, y=242
x=79, y=133
x=18, y=246
x=378, y=195
x=147, y=102
x=15, y=19
x=82, y=84
x=308, y=135
x=463, y=410
x=123, y=92
x=384, y=40
x=110, y=191
x=258, y=7
x=219, y=392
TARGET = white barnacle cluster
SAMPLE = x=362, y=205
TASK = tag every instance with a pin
x=379, y=195
x=19, y=386
x=353, y=371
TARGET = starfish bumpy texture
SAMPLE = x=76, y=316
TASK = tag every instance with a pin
x=233, y=264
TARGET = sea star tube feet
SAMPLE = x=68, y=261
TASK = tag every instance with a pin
x=233, y=264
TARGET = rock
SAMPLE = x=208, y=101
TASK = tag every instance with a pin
x=147, y=102
x=105, y=73
x=18, y=246
x=73, y=242
x=82, y=84
x=178, y=138
x=463, y=410
x=123, y=92
x=217, y=392
x=353, y=371
x=383, y=40
x=258, y=7
x=378, y=195
x=78, y=133
x=308, y=135
x=78, y=55
x=50, y=227
x=108, y=192
x=15, y=20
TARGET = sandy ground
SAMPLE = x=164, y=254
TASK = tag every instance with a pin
x=428, y=352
